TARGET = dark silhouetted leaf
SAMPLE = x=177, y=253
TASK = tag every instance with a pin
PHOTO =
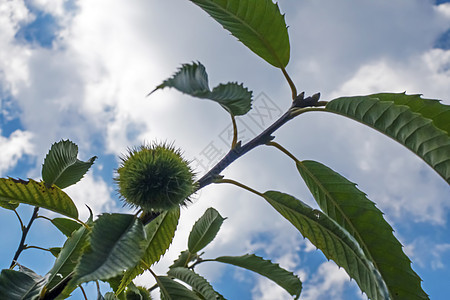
x=333, y=240
x=172, y=290
x=193, y=80
x=16, y=285
x=285, y=279
x=421, y=125
x=350, y=208
x=61, y=166
x=67, y=259
x=160, y=233
x=116, y=244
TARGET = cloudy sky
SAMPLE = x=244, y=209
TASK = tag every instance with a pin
x=80, y=70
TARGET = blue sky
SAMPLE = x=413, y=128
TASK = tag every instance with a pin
x=81, y=69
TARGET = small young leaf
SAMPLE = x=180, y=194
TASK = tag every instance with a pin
x=160, y=233
x=333, y=240
x=204, y=230
x=193, y=80
x=258, y=24
x=116, y=244
x=183, y=259
x=421, y=125
x=285, y=279
x=66, y=226
x=136, y=293
x=37, y=194
x=197, y=282
x=342, y=201
x=61, y=166
x=9, y=205
x=20, y=285
x=172, y=290
x=55, y=251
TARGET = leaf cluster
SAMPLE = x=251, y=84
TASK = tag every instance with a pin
x=348, y=227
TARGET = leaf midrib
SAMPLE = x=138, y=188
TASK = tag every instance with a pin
x=345, y=245
x=256, y=33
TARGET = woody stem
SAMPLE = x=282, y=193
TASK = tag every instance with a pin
x=238, y=151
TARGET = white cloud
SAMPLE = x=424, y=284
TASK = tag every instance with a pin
x=92, y=85
x=94, y=192
x=328, y=283
x=14, y=147
x=13, y=65
x=433, y=257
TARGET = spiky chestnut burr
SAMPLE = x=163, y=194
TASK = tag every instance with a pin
x=155, y=177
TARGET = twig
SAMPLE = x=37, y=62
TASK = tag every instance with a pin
x=36, y=247
x=22, y=227
x=25, y=230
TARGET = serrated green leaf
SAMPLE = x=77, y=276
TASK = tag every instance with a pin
x=197, y=282
x=68, y=259
x=116, y=244
x=421, y=125
x=172, y=290
x=16, y=285
x=183, y=259
x=333, y=240
x=342, y=201
x=160, y=233
x=204, y=230
x=258, y=24
x=234, y=97
x=37, y=194
x=61, y=166
x=136, y=293
x=66, y=226
x=192, y=79
x=285, y=279
x=55, y=251
x=428, y=108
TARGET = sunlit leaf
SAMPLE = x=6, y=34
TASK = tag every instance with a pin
x=350, y=208
x=37, y=194
x=62, y=167
x=192, y=79
x=333, y=240
x=204, y=230
x=421, y=125
x=285, y=279
x=258, y=24
x=160, y=233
